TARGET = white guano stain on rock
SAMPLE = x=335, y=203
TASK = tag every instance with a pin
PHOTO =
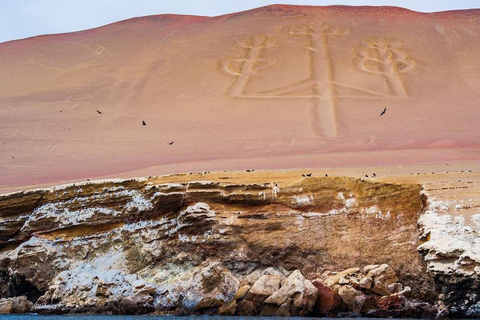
x=452, y=246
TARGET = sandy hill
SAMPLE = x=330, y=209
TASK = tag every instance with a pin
x=274, y=87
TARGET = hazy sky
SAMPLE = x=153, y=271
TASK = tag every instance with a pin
x=26, y=18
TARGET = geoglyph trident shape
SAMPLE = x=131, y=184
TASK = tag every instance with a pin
x=377, y=55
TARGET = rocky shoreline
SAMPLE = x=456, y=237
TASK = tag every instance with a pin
x=333, y=247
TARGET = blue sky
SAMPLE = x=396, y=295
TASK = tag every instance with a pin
x=26, y=18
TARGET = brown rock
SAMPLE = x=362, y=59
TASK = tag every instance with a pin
x=370, y=303
x=365, y=283
x=334, y=279
x=328, y=299
x=6, y=306
x=348, y=294
x=21, y=304
x=241, y=292
x=285, y=309
x=380, y=288
x=208, y=302
x=394, y=301
x=395, y=287
x=15, y=305
x=269, y=311
x=301, y=290
x=228, y=309
x=264, y=287
x=383, y=273
x=357, y=303
x=246, y=308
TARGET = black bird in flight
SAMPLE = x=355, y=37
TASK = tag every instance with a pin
x=326, y=175
x=383, y=112
x=13, y=157
x=170, y=143
x=143, y=123
x=374, y=174
x=366, y=176
x=308, y=174
x=99, y=112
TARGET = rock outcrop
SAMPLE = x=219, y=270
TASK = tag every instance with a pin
x=206, y=247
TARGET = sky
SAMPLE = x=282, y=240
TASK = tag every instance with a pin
x=25, y=18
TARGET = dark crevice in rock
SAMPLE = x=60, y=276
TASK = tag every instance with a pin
x=16, y=285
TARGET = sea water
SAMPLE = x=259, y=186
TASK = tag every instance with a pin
x=103, y=317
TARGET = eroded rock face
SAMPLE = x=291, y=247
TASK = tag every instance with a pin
x=385, y=298
x=450, y=237
x=196, y=247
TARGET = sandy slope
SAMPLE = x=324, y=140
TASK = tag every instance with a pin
x=276, y=87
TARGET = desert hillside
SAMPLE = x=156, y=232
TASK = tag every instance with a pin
x=275, y=87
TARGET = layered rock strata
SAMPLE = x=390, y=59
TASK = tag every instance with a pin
x=207, y=247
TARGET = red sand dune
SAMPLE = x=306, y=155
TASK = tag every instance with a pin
x=274, y=87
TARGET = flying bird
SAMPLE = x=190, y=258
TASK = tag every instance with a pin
x=99, y=112
x=143, y=123
x=374, y=174
x=13, y=157
x=308, y=174
x=383, y=112
x=366, y=176
x=326, y=175
x=170, y=143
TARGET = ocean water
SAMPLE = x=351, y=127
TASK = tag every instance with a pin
x=103, y=317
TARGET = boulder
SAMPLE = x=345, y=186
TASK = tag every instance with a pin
x=15, y=305
x=328, y=300
x=21, y=304
x=370, y=303
x=332, y=280
x=395, y=287
x=228, y=309
x=380, y=288
x=357, y=303
x=6, y=306
x=394, y=301
x=263, y=288
x=348, y=294
x=285, y=309
x=383, y=274
x=473, y=311
x=246, y=308
x=365, y=283
x=241, y=292
x=301, y=290
x=208, y=302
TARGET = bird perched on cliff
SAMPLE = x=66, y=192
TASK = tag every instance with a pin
x=143, y=123
x=170, y=143
x=99, y=112
x=383, y=112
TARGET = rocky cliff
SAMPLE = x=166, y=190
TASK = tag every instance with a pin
x=318, y=246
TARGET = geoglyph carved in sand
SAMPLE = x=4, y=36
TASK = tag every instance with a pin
x=376, y=55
